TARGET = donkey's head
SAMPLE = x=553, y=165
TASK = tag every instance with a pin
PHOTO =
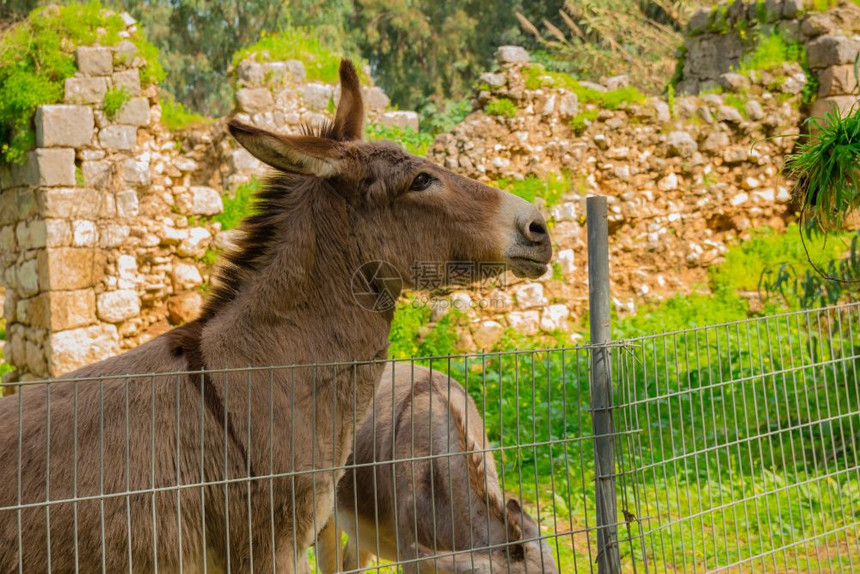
x=525, y=551
x=402, y=209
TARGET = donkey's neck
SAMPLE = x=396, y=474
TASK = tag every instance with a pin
x=295, y=304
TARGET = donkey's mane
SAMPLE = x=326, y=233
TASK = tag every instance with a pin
x=256, y=233
x=323, y=129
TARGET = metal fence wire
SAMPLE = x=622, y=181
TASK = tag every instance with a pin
x=722, y=448
x=735, y=449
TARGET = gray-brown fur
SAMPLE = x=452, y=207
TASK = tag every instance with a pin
x=438, y=504
x=282, y=298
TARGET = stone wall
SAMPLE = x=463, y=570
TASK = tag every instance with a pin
x=105, y=226
x=719, y=38
x=684, y=182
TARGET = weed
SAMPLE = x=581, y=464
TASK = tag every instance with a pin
x=550, y=189
x=414, y=142
x=239, y=206
x=115, y=99
x=321, y=58
x=175, y=117
x=502, y=107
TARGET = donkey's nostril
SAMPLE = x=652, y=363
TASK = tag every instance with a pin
x=536, y=228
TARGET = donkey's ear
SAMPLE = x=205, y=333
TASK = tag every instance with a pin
x=349, y=119
x=307, y=155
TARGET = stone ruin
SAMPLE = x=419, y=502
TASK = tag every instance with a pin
x=718, y=39
x=106, y=226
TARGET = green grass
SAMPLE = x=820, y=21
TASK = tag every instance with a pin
x=321, y=59
x=582, y=119
x=501, y=107
x=825, y=166
x=115, y=99
x=537, y=77
x=176, y=117
x=239, y=206
x=36, y=57
x=550, y=189
x=771, y=52
x=414, y=142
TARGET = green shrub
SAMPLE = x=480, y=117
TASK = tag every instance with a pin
x=115, y=99
x=412, y=335
x=502, y=107
x=551, y=189
x=437, y=119
x=415, y=142
x=175, y=116
x=744, y=264
x=321, y=59
x=581, y=120
x=38, y=54
x=826, y=169
x=771, y=52
x=537, y=77
x=239, y=206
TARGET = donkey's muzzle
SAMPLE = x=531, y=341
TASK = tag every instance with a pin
x=532, y=251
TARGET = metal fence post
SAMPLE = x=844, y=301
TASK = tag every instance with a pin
x=608, y=556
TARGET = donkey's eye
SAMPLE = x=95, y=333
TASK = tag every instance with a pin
x=421, y=182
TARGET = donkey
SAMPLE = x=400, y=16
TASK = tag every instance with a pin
x=444, y=494
x=133, y=463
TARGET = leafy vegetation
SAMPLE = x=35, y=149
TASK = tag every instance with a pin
x=321, y=58
x=414, y=142
x=501, y=107
x=240, y=205
x=550, y=189
x=115, y=99
x=38, y=54
x=537, y=76
x=177, y=117
x=441, y=118
x=770, y=52
x=827, y=169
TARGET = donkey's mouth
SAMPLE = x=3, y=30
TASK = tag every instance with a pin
x=524, y=267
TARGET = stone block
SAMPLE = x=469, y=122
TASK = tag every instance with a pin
x=317, y=96
x=185, y=277
x=94, y=60
x=96, y=173
x=524, y=322
x=400, y=119
x=113, y=235
x=568, y=105
x=250, y=72
x=822, y=106
x=253, y=100
x=195, y=244
x=67, y=268
x=511, y=55
x=487, y=334
x=185, y=307
x=61, y=310
x=375, y=99
x=36, y=359
x=135, y=112
x=127, y=204
x=84, y=233
x=58, y=232
x=117, y=306
x=27, y=278
x=837, y=81
x=136, y=172
x=699, y=21
x=53, y=166
x=83, y=90
x=64, y=126
x=75, y=348
x=124, y=53
x=200, y=200
x=69, y=203
x=242, y=161
x=118, y=137
x=128, y=79
x=681, y=144
x=832, y=51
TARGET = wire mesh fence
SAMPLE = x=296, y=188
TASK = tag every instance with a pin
x=735, y=449
x=745, y=459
